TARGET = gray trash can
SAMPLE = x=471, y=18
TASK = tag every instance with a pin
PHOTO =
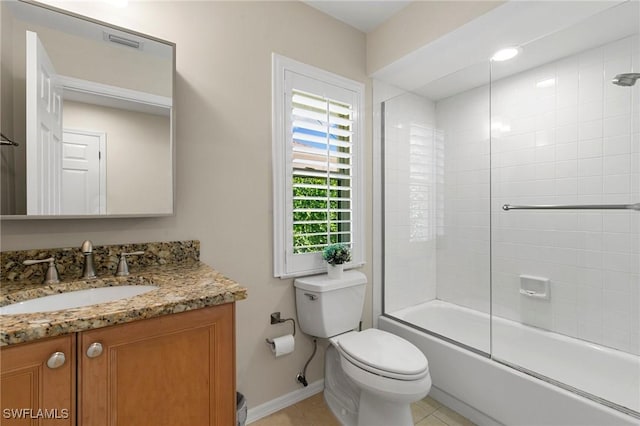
x=241, y=409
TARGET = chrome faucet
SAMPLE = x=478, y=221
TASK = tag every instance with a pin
x=123, y=267
x=51, y=277
x=89, y=270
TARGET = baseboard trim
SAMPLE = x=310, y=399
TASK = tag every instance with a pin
x=284, y=401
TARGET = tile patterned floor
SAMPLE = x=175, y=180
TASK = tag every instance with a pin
x=314, y=412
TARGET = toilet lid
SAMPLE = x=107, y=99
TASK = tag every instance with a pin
x=384, y=352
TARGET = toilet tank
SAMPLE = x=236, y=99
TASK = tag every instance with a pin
x=328, y=307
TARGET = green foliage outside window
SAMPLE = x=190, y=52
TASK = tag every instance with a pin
x=309, y=237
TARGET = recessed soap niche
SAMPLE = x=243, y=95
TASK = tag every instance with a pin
x=535, y=287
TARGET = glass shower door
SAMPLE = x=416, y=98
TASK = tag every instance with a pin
x=435, y=155
x=565, y=223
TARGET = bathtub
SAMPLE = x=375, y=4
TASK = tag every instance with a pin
x=490, y=392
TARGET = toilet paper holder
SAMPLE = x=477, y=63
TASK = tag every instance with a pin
x=275, y=319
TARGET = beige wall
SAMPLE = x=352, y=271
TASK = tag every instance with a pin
x=224, y=197
x=418, y=24
x=138, y=156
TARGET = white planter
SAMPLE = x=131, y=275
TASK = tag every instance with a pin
x=335, y=271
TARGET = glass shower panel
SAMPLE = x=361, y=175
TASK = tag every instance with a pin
x=412, y=148
x=435, y=155
x=565, y=283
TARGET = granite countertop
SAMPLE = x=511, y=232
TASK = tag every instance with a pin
x=181, y=287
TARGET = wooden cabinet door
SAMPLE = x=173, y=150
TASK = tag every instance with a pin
x=173, y=370
x=31, y=392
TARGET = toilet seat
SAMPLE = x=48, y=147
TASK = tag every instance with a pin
x=382, y=353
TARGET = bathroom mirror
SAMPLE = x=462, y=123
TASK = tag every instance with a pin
x=86, y=115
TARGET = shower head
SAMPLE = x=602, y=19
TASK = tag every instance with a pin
x=626, y=80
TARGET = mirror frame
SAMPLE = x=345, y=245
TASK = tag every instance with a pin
x=172, y=130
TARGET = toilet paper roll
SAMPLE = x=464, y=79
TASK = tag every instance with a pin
x=283, y=345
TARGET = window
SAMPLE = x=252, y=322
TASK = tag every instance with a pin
x=317, y=166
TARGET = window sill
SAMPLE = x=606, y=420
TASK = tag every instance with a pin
x=319, y=271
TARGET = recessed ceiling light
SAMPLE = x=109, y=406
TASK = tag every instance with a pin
x=505, y=54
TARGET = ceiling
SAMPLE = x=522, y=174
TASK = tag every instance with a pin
x=458, y=61
x=544, y=30
x=364, y=15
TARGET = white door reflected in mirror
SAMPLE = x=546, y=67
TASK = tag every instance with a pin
x=44, y=130
x=83, y=172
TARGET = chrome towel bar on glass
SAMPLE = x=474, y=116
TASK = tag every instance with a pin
x=635, y=207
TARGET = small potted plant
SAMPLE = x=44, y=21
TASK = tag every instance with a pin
x=336, y=256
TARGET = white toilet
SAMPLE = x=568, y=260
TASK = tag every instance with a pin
x=371, y=376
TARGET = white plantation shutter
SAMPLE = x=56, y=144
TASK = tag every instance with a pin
x=321, y=139
x=317, y=156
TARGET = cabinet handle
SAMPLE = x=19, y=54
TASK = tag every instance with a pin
x=56, y=360
x=94, y=350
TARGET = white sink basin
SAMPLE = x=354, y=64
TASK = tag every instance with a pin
x=75, y=299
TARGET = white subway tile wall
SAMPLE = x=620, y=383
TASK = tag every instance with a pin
x=580, y=145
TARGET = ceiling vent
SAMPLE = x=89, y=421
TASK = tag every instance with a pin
x=113, y=38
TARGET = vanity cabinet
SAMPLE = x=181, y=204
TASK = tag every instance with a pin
x=37, y=383
x=171, y=370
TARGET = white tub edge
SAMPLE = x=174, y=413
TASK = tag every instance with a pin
x=495, y=391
